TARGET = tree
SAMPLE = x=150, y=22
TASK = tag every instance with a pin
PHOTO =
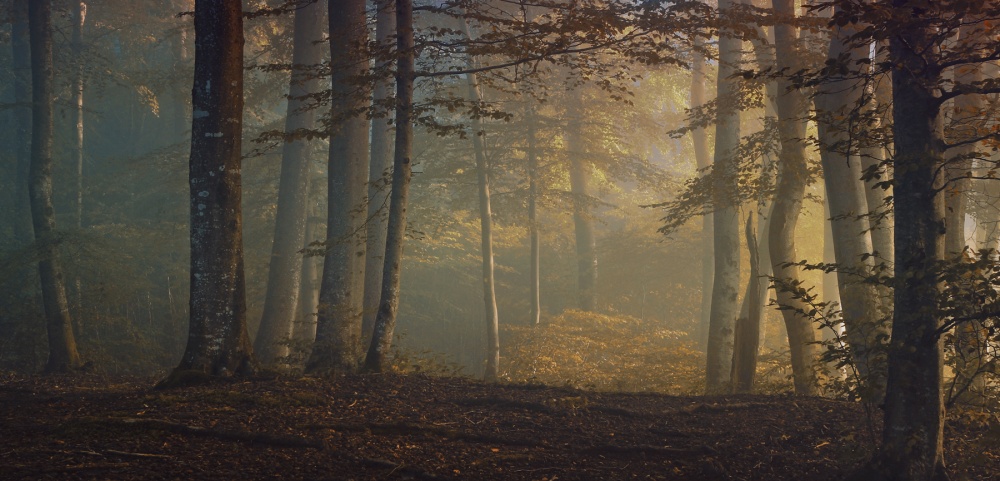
x=21, y=55
x=580, y=173
x=338, y=323
x=726, y=282
x=385, y=320
x=218, y=343
x=379, y=169
x=792, y=109
x=486, y=227
x=699, y=139
x=285, y=271
x=63, y=355
x=78, y=13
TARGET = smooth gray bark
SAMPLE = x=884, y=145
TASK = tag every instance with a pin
x=285, y=269
x=835, y=100
x=338, y=323
x=63, y=355
x=377, y=359
x=726, y=282
x=379, y=172
x=699, y=140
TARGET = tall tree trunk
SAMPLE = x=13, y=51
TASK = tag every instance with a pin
x=218, y=343
x=285, y=272
x=793, y=171
x=746, y=337
x=848, y=209
x=304, y=332
x=21, y=55
x=534, y=277
x=726, y=282
x=377, y=358
x=180, y=118
x=78, y=12
x=379, y=172
x=338, y=324
x=63, y=355
x=914, y=409
x=580, y=173
x=699, y=139
x=486, y=229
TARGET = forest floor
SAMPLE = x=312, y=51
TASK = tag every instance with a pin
x=417, y=427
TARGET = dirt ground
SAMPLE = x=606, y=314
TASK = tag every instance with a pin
x=417, y=427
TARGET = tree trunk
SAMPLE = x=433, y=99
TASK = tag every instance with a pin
x=486, y=229
x=914, y=409
x=699, y=139
x=746, y=338
x=377, y=359
x=285, y=271
x=534, y=278
x=848, y=209
x=304, y=331
x=338, y=324
x=726, y=282
x=379, y=173
x=579, y=180
x=63, y=355
x=21, y=55
x=78, y=12
x=792, y=114
x=218, y=343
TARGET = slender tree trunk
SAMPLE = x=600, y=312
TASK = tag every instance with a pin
x=534, y=278
x=218, y=343
x=726, y=283
x=304, y=330
x=377, y=359
x=792, y=114
x=63, y=355
x=285, y=272
x=379, y=172
x=21, y=54
x=181, y=121
x=579, y=180
x=486, y=229
x=699, y=138
x=914, y=409
x=79, y=15
x=338, y=324
x=848, y=208
x=746, y=338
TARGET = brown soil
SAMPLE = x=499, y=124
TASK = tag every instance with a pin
x=417, y=427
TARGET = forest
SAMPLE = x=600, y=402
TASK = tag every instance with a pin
x=500, y=239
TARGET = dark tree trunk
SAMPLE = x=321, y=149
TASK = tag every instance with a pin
x=379, y=172
x=746, y=337
x=285, y=272
x=534, y=277
x=580, y=172
x=218, y=343
x=726, y=280
x=78, y=12
x=914, y=408
x=793, y=171
x=63, y=355
x=338, y=324
x=377, y=359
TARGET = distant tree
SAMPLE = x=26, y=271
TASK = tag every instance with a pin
x=78, y=14
x=285, y=269
x=703, y=160
x=580, y=177
x=338, y=328
x=63, y=354
x=218, y=343
x=21, y=55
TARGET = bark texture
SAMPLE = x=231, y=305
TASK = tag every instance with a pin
x=377, y=359
x=792, y=107
x=285, y=269
x=836, y=103
x=218, y=343
x=726, y=282
x=63, y=354
x=914, y=409
x=338, y=323
x=379, y=171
